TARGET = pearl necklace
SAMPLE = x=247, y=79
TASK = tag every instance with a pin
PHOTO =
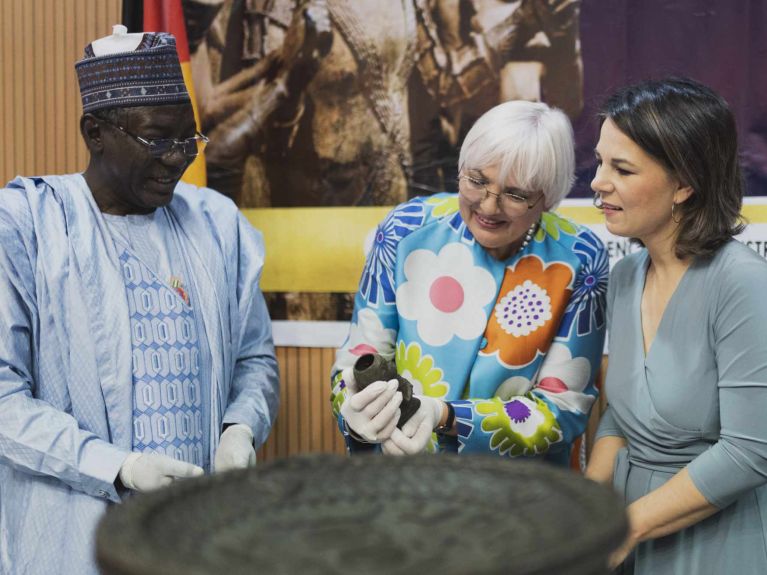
x=528, y=237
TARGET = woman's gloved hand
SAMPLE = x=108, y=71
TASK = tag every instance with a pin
x=416, y=433
x=371, y=414
x=149, y=471
x=235, y=449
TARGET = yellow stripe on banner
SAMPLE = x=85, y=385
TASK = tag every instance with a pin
x=322, y=249
x=755, y=213
x=582, y=214
x=314, y=249
x=195, y=174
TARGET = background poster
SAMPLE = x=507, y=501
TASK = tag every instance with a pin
x=325, y=113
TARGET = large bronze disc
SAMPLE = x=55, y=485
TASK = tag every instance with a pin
x=324, y=514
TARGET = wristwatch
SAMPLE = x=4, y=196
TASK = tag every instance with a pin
x=448, y=426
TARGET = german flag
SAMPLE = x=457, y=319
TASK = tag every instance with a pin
x=168, y=16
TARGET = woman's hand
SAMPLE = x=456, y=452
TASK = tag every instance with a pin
x=602, y=459
x=619, y=555
x=411, y=439
x=372, y=414
x=675, y=505
x=416, y=433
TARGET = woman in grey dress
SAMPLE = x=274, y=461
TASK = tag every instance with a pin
x=685, y=435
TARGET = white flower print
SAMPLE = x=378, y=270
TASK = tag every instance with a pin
x=563, y=378
x=366, y=335
x=445, y=294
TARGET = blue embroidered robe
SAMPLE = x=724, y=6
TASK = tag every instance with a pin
x=66, y=405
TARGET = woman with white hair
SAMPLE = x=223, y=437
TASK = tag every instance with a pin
x=491, y=304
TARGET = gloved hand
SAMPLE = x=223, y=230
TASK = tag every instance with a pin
x=235, y=450
x=372, y=414
x=416, y=433
x=148, y=471
x=351, y=383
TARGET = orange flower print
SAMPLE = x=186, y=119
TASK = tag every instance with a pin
x=531, y=302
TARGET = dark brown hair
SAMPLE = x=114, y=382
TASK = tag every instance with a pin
x=691, y=131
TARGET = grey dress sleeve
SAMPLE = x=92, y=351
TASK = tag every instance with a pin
x=607, y=424
x=737, y=462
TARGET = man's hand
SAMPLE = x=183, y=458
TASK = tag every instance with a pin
x=235, y=450
x=416, y=433
x=149, y=471
x=372, y=413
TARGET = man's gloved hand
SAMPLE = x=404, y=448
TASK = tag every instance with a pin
x=149, y=471
x=235, y=450
x=371, y=414
x=416, y=433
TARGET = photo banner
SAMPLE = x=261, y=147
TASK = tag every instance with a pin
x=324, y=114
x=302, y=270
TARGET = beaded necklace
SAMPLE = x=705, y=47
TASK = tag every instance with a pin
x=528, y=236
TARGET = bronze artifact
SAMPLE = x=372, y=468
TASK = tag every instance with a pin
x=374, y=367
x=329, y=514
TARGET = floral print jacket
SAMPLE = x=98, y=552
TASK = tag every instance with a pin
x=514, y=345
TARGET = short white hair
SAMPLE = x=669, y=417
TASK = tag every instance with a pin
x=529, y=142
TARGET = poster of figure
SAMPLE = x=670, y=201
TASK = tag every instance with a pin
x=323, y=114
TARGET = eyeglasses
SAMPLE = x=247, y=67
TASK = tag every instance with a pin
x=475, y=191
x=162, y=147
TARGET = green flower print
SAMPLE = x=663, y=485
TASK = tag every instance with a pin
x=443, y=206
x=552, y=223
x=522, y=426
x=420, y=371
x=339, y=393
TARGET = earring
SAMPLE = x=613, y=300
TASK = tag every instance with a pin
x=676, y=221
x=598, y=203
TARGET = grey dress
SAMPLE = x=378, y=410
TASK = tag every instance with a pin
x=698, y=399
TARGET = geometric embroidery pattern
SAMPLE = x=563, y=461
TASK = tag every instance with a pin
x=167, y=406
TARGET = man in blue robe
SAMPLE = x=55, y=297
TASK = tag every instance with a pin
x=135, y=345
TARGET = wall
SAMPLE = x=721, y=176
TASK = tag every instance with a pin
x=305, y=422
x=40, y=40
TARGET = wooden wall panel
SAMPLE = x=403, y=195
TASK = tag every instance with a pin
x=305, y=423
x=39, y=97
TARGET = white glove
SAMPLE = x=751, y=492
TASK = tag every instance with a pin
x=416, y=433
x=372, y=414
x=351, y=384
x=148, y=471
x=235, y=450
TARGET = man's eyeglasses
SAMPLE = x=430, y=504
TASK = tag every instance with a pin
x=162, y=147
x=511, y=202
